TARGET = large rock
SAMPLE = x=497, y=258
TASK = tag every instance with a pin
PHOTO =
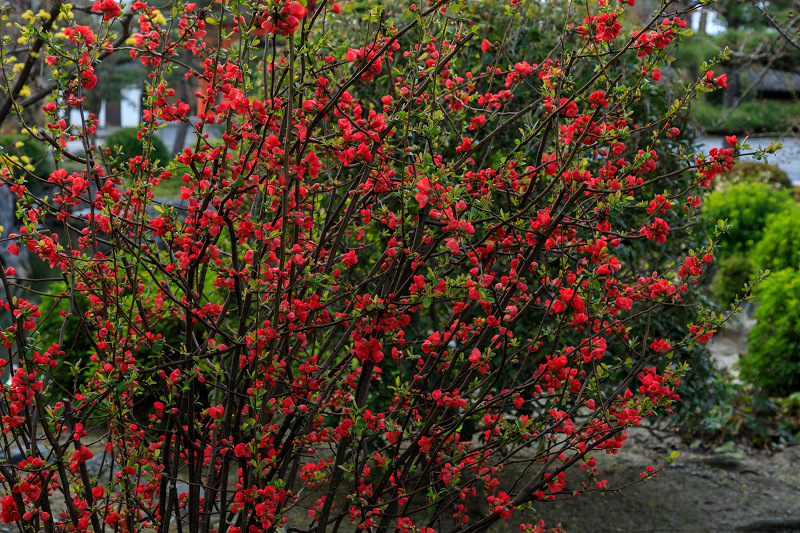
x=13, y=455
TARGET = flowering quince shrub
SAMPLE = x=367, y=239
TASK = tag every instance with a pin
x=380, y=312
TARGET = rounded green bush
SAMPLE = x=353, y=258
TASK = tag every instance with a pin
x=746, y=207
x=125, y=144
x=753, y=172
x=733, y=273
x=773, y=362
x=778, y=248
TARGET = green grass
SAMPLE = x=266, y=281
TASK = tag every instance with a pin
x=170, y=188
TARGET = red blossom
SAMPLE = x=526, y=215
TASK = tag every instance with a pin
x=9, y=513
x=109, y=8
x=424, y=186
x=284, y=20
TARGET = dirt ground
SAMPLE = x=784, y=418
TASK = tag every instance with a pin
x=702, y=492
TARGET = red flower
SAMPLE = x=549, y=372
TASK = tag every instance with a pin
x=286, y=20
x=571, y=108
x=703, y=334
x=660, y=346
x=465, y=145
x=624, y=303
x=719, y=81
x=362, y=55
x=475, y=356
x=80, y=34
x=109, y=8
x=241, y=450
x=656, y=231
x=9, y=513
x=424, y=186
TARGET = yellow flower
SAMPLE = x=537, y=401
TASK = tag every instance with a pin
x=158, y=18
x=25, y=91
x=19, y=144
x=42, y=14
x=66, y=12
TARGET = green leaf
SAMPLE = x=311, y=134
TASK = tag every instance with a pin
x=452, y=10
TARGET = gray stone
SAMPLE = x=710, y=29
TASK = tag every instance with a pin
x=14, y=455
x=100, y=464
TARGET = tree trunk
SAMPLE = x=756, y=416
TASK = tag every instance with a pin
x=733, y=93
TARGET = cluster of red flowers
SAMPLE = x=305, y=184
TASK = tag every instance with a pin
x=109, y=8
x=370, y=57
x=331, y=224
x=284, y=18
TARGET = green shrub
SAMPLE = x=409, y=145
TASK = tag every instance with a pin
x=747, y=117
x=753, y=172
x=779, y=248
x=746, y=207
x=75, y=367
x=734, y=272
x=773, y=362
x=125, y=144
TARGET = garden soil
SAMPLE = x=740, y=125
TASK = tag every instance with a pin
x=701, y=492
